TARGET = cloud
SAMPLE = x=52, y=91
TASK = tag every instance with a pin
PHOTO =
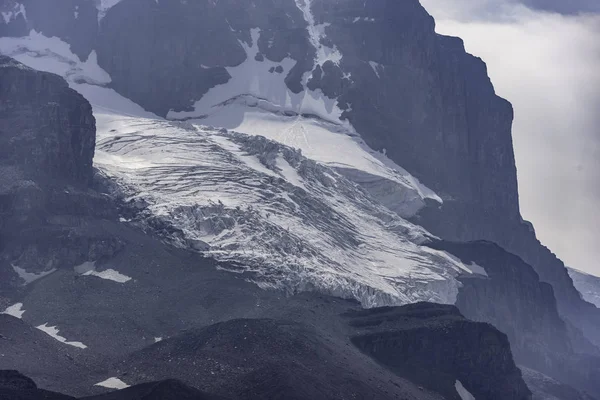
x=547, y=65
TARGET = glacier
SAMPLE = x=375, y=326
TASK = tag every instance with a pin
x=268, y=181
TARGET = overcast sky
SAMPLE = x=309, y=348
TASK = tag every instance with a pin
x=548, y=65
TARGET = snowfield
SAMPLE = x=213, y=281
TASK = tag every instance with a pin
x=277, y=187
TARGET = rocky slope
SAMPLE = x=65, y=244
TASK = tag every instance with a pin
x=371, y=80
x=512, y=298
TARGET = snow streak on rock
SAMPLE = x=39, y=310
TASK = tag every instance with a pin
x=53, y=332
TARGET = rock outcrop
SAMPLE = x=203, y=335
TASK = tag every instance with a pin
x=434, y=345
x=47, y=142
x=48, y=130
x=15, y=386
x=512, y=298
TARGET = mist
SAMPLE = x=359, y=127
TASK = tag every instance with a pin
x=547, y=65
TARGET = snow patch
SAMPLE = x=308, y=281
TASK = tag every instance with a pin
x=316, y=32
x=104, y=5
x=89, y=269
x=16, y=310
x=113, y=383
x=289, y=173
x=30, y=277
x=253, y=82
x=53, y=331
x=51, y=54
x=18, y=8
x=462, y=392
x=110, y=275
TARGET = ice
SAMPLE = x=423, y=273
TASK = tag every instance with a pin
x=320, y=140
x=287, y=221
x=462, y=392
x=53, y=331
x=113, y=383
x=30, y=277
x=16, y=310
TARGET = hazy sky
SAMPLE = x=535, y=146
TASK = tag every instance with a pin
x=548, y=65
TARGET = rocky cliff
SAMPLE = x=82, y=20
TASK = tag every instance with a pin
x=47, y=129
x=47, y=142
x=512, y=298
x=417, y=340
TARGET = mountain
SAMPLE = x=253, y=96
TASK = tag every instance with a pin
x=338, y=147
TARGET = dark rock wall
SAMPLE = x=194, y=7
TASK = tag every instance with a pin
x=46, y=128
x=165, y=55
x=435, y=345
x=47, y=142
x=513, y=299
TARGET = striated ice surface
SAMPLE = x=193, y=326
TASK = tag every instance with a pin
x=285, y=221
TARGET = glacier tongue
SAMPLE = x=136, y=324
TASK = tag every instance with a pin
x=286, y=221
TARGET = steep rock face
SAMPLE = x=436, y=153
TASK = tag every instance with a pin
x=421, y=97
x=435, y=346
x=513, y=299
x=431, y=106
x=47, y=142
x=159, y=54
x=47, y=128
